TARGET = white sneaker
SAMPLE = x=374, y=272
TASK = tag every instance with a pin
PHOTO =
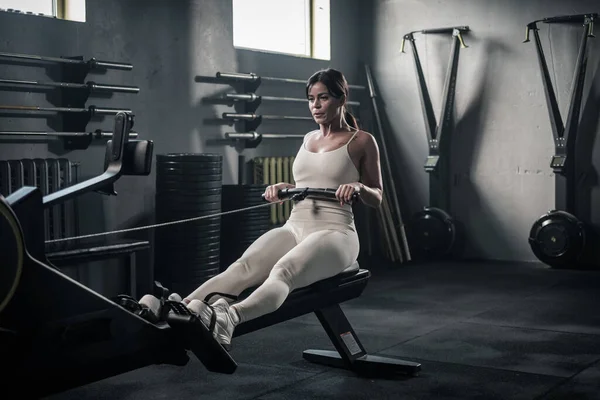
x=152, y=303
x=175, y=297
x=225, y=319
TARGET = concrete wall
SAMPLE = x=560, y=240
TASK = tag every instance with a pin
x=503, y=143
x=170, y=44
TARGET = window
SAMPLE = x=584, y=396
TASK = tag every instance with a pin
x=296, y=27
x=72, y=10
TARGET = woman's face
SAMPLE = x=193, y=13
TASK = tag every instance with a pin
x=323, y=107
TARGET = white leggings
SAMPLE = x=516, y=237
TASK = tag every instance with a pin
x=295, y=255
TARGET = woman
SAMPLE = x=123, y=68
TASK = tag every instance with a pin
x=319, y=239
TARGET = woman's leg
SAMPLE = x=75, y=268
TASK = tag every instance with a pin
x=252, y=268
x=320, y=255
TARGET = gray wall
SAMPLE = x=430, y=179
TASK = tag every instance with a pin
x=501, y=177
x=169, y=43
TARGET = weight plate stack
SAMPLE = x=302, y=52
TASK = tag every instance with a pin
x=188, y=186
x=240, y=230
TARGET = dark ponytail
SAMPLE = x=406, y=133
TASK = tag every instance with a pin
x=337, y=85
x=350, y=120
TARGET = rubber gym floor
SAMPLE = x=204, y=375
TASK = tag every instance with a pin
x=488, y=330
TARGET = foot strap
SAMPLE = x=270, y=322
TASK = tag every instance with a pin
x=213, y=294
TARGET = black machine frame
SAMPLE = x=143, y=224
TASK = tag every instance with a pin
x=60, y=334
x=559, y=238
x=434, y=231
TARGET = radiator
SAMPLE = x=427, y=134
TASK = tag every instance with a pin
x=49, y=175
x=271, y=170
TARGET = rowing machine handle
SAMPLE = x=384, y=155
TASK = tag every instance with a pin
x=302, y=193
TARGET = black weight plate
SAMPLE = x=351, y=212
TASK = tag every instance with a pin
x=190, y=187
x=256, y=214
x=190, y=266
x=242, y=217
x=558, y=239
x=190, y=164
x=204, y=247
x=193, y=245
x=244, y=188
x=187, y=170
x=248, y=216
x=245, y=228
x=188, y=220
x=247, y=211
x=184, y=192
x=190, y=248
x=189, y=237
x=196, y=218
x=554, y=240
x=192, y=226
x=181, y=250
x=189, y=200
x=190, y=157
x=193, y=261
x=229, y=204
x=175, y=243
x=194, y=223
x=178, y=178
x=187, y=204
x=187, y=178
x=171, y=213
x=198, y=199
x=433, y=232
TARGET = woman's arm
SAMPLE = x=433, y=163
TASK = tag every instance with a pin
x=371, y=185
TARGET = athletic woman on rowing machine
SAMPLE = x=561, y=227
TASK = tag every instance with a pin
x=319, y=239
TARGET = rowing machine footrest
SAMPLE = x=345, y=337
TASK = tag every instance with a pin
x=133, y=306
x=197, y=338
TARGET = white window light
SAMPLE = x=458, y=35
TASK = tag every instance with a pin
x=295, y=27
x=72, y=10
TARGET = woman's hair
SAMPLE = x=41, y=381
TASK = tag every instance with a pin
x=336, y=84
